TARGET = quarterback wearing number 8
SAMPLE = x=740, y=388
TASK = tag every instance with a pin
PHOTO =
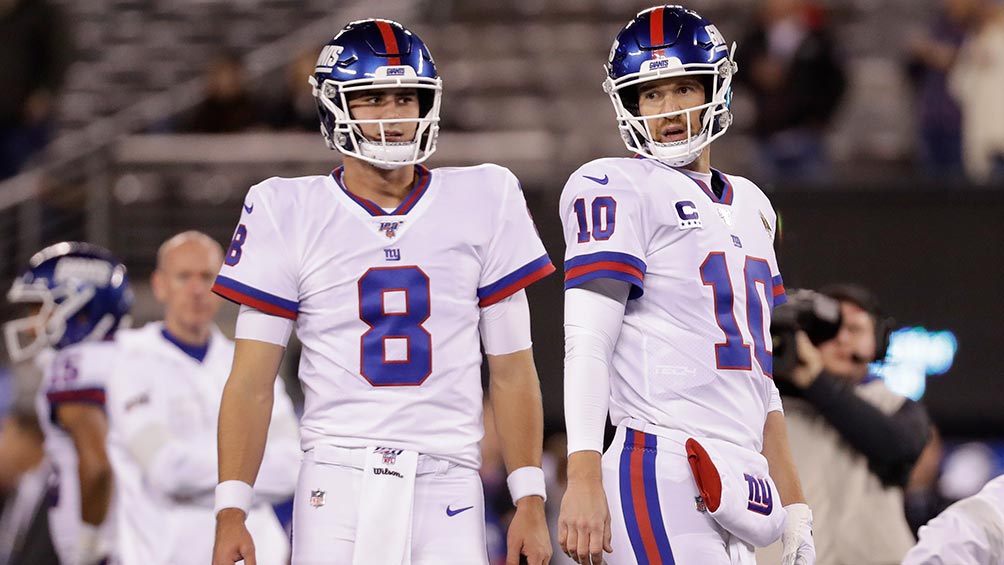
x=670, y=279
x=392, y=275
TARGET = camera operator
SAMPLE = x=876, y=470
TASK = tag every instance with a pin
x=854, y=441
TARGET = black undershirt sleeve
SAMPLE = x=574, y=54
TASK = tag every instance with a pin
x=891, y=443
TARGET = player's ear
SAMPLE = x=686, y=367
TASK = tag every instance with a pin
x=158, y=285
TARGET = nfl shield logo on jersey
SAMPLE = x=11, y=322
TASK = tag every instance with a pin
x=390, y=228
x=317, y=498
x=389, y=454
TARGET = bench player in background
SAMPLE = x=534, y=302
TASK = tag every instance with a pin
x=391, y=273
x=79, y=295
x=163, y=404
x=670, y=279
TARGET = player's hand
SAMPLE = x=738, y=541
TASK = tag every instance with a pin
x=584, y=521
x=233, y=541
x=797, y=537
x=528, y=533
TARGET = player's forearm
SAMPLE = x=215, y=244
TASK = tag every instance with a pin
x=594, y=314
x=516, y=401
x=778, y=454
x=246, y=409
x=243, y=429
x=280, y=464
x=95, y=475
x=88, y=427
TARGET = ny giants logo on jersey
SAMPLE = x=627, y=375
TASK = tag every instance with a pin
x=392, y=254
x=761, y=499
x=390, y=228
x=687, y=214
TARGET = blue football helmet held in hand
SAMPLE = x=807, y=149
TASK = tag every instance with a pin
x=82, y=294
x=664, y=42
x=376, y=55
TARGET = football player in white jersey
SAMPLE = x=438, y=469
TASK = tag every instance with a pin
x=392, y=275
x=670, y=278
x=79, y=294
x=163, y=405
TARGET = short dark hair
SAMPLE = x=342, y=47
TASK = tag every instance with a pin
x=855, y=294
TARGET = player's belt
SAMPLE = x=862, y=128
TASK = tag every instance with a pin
x=355, y=457
x=645, y=427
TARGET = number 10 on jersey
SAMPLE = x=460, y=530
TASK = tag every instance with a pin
x=733, y=353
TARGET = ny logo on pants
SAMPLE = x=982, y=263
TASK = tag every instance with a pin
x=761, y=499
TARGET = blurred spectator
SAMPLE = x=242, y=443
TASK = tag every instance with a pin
x=977, y=81
x=24, y=476
x=789, y=62
x=938, y=119
x=33, y=61
x=229, y=106
x=296, y=110
x=853, y=440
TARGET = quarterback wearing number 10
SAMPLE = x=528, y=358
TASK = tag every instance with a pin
x=670, y=279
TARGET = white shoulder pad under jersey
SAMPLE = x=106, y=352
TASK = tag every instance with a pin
x=694, y=352
x=387, y=303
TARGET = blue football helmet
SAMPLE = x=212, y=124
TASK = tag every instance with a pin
x=663, y=42
x=376, y=54
x=82, y=292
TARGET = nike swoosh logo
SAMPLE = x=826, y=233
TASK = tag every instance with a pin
x=450, y=512
x=603, y=180
x=250, y=208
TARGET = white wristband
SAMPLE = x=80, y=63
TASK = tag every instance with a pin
x=527, y=481
x=234, y=494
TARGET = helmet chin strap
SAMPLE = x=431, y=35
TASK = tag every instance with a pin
x=677, y=153
x=389, y=155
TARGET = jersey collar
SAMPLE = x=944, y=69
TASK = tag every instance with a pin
x=716, y=178
x=421, y=186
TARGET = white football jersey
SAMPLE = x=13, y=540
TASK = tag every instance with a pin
x=166, y=404
x=74, y=374
x=694, y=352
x=387, y=304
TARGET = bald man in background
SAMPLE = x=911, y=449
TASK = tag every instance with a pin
x=163, y=403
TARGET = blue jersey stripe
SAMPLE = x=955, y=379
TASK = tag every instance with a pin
x=616, y=256
x=257, y=295
x=652, y=496
x=503, y=284
x=627, y=501
x=607, y=264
